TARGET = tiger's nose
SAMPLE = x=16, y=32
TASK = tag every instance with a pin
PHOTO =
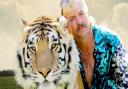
x=44, y=71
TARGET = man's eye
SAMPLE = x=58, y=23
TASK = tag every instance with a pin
x=71, y=19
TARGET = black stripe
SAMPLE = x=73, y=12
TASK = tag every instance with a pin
x=28, y=55
x=62, y=59
x=43, y=25
x=50, y=25
x=25, y=76
x=27, y=63
x=47, y=29
x=35, y=32
x=20, y=64
x=23, y=51
x=65, y=71
x=34, y=29
x=66, y=86
x=59, y=35
x=69, y=55
x=26, y=40
x=60, y=49
x=19, y=60
x=24, y=55
x=64, y=45
x=55, y=81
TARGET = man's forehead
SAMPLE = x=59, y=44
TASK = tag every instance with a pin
x=73, y=12
x=73, y=7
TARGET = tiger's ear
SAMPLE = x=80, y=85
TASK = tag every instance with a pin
x=63, y=21
x=25, y=23
x=63, y=26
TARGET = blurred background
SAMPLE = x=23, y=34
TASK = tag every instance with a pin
x=110, y=13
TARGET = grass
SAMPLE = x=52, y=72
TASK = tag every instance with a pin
x=8, y=83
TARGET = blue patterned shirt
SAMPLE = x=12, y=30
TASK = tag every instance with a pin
x=111, y=62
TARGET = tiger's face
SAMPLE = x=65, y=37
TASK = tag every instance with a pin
x=47, y=50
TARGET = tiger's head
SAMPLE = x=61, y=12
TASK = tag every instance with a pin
x=49, y=55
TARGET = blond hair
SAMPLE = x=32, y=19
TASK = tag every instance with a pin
x=68, y=4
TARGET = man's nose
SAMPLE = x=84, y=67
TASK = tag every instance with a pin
x=78, y=20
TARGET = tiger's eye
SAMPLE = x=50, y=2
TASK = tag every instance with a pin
x=33, y=48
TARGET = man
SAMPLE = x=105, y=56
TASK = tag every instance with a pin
x=103, y=55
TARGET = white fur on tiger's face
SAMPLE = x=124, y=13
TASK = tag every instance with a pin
x=48, y=57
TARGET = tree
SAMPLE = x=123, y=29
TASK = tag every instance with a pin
x=7, y=73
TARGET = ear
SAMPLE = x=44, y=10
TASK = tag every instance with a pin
x=25, y=26
x=63, y=25
x=63, y=21
x=25, y=23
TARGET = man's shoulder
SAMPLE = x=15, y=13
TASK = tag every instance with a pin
x=98, y=29
x=105, y=34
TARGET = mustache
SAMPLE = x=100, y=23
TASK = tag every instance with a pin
x=81, y=25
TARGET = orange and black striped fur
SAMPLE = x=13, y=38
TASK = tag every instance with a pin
x=47, y=56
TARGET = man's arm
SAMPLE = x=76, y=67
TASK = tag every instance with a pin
x=119, y=63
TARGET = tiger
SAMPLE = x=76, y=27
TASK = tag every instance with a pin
x=48, y=57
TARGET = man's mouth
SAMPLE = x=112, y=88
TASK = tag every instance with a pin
x=82, y=28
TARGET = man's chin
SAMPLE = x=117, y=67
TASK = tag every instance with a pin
x=81, y=34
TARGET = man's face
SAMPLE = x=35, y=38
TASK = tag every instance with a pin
x=78, y=21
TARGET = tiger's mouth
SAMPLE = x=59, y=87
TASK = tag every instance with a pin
x=46, y=82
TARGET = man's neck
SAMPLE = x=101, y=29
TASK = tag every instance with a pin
x=86, y=44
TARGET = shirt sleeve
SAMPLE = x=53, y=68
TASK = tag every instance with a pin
x=120, y=63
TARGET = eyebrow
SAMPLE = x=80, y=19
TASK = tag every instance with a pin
x=71, y=17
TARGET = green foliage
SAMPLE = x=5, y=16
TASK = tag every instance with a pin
x=6, y=73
